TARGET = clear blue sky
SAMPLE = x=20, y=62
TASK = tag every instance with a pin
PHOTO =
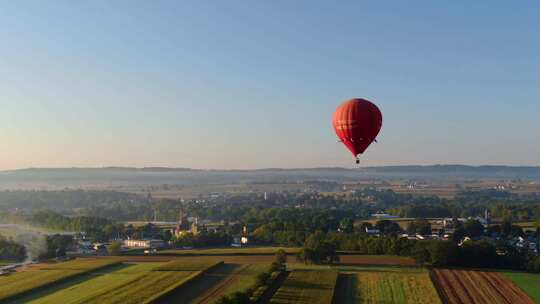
x=251, y=84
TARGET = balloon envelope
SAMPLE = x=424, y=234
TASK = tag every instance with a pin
x=357, y=122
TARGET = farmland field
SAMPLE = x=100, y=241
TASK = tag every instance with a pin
x=467, y=286
x=88, y=286
x=205, y=287
x=369, y=284
x=356, y=279
x=142, y=287
x=529, y=282
x=391, y=285
x=241, y=280
x=121, y=283
x=182, y=265
x=348, y=259
x=357, y=259
x=20, y=282
x=314, y=287
x=230, y=251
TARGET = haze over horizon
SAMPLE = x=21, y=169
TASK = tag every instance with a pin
x=243, y=85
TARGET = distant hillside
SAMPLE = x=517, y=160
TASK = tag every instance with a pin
x=124, y=176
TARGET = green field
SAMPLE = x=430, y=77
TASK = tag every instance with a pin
x=380, y=284
x=392, y=285
x=22, y=282
x=245, y=278
x=528, y=282
x=119, y=283
x=205, y=279
x=307, y=286
x=89, y=286
x=141, y=287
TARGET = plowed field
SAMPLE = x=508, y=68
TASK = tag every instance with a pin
x=477, y=287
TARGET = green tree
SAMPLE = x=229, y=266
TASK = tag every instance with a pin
x=281, y=257
x=387, y=227
x=420, y=226
x=114, y=248
x=474, y=228
x=443, y=253
x=346, y=225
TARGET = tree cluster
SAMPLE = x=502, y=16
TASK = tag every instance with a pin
x=263, y=281
x=10, y=250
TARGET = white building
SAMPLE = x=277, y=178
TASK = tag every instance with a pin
x=153, y=243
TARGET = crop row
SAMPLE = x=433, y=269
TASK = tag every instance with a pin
x=18, y=283
x=467, y=286
x=314, y=287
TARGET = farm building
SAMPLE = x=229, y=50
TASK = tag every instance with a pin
x=152, y=243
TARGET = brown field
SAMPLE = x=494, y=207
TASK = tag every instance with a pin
x=477, y=287
x=347, y=259
x=375, y=260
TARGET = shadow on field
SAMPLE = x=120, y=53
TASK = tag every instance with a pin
x=37, y=293
x=194, y=291
x=346, y=291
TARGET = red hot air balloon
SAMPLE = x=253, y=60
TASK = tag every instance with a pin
x=357, y=122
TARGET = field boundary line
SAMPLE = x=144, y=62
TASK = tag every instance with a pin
x=172, y=288
x=438, y=287
x=219, y=287
x=273, y=288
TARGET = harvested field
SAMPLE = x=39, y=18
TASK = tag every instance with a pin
x=376, y=260
x=393, y=285
x=313, y=287
x=477, y=287
x=181, y=265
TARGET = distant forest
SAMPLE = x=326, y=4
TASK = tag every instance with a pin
x=120, y=206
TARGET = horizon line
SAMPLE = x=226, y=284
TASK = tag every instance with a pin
x=260, y=169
